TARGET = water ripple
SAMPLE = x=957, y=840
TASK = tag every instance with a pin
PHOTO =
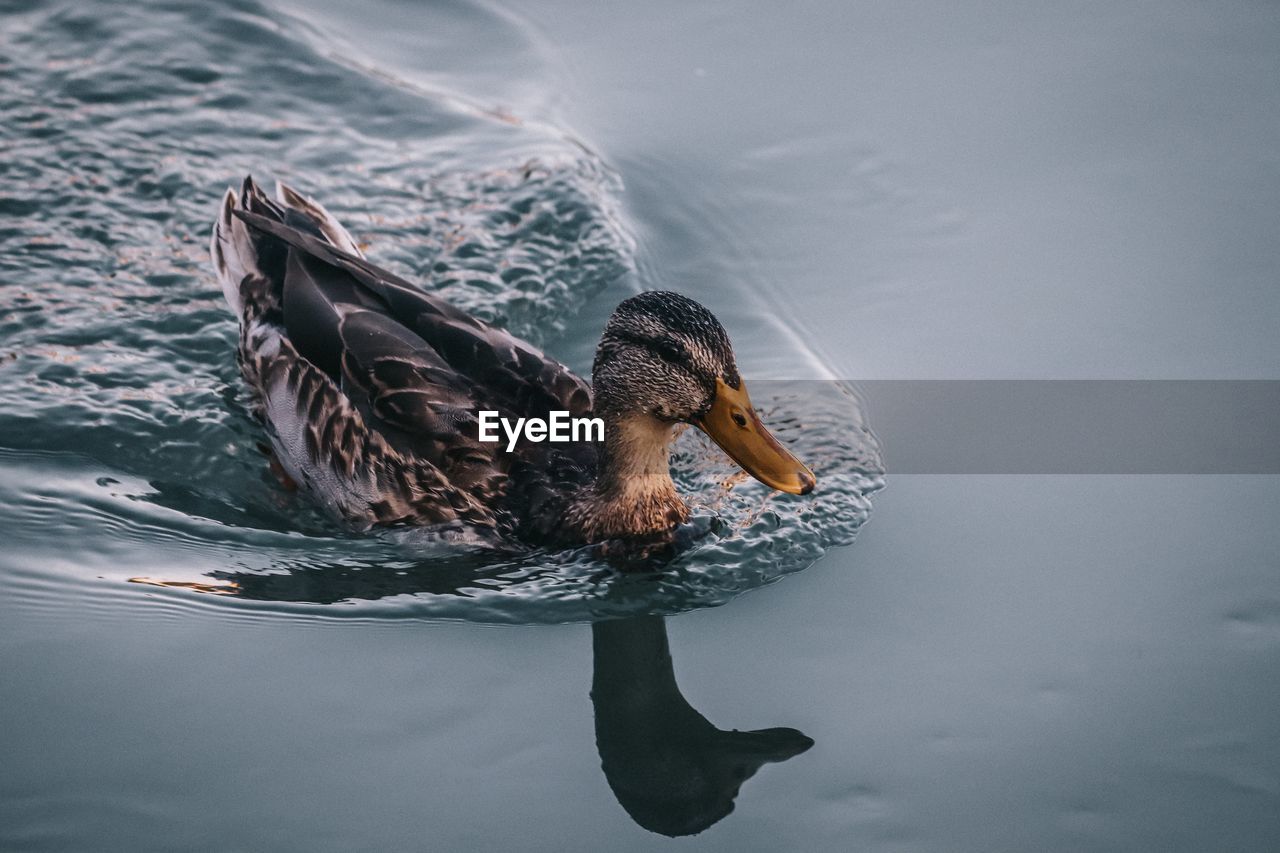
x=127, y=450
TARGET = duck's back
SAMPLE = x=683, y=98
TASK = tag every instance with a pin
x=370, y=388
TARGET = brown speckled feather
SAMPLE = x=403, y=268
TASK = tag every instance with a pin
x=325, y=444
x=369, y=387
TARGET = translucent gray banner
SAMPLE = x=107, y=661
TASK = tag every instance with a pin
x=1062, y=426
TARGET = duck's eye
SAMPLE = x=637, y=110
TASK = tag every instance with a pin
x=671, y=351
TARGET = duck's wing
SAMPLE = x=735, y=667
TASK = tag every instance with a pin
x=327, y=445
x=397, y=368
x=515, y=376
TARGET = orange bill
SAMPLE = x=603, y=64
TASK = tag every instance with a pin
x=733, y=424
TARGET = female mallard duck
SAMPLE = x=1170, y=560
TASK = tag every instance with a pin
x=370, y=391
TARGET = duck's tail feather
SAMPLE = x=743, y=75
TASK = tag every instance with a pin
x=329, y=227
x=239, y=252
x=231, y=251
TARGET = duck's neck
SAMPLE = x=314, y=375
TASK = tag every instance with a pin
x=633, y=494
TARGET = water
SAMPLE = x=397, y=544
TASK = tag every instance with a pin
x=996, y=663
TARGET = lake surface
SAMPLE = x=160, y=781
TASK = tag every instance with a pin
x=859, y=191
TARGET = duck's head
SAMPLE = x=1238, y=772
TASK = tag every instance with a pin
x=664, y=356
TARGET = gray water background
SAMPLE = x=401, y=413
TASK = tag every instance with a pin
x=915, y=191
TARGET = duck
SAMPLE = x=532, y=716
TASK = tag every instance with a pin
x=370, y=390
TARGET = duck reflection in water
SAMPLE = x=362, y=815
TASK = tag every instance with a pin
x=672, y=770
